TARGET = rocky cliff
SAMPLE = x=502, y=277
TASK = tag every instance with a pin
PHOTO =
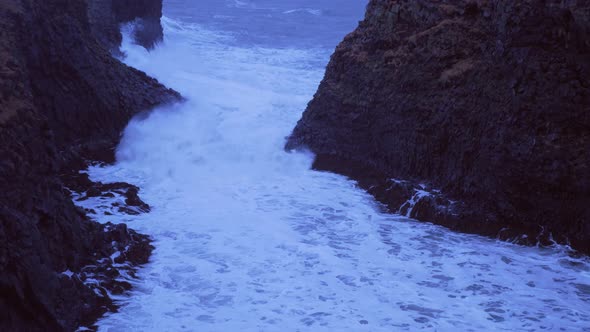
x=471, y=114
x=106, y=16
x=63, y=99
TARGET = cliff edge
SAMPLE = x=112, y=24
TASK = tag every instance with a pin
x=470, y=114
x=63, y=99
x=106, y=16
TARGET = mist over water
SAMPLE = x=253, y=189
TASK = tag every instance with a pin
x=249, y=238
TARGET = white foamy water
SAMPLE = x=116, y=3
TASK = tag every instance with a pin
x=248, y=238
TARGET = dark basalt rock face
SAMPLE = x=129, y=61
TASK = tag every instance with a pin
x=63, y=99
x=487, y=102
x=106, y=16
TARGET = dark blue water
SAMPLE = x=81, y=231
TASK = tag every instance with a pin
x=294, y=23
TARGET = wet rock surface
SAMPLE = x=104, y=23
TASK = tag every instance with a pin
x=486, y=101
x=63, y=100
x=83, y=189
x=106, y=17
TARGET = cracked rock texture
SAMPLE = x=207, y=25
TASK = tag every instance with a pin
x=63, y=99
x=487, y=101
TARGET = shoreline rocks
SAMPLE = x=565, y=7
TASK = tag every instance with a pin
x=106, y=16
x=64, y=99
x=486, y=101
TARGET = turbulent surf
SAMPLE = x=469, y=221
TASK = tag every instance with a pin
x=248, y=237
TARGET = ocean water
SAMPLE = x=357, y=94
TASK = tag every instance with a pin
x=248, y=238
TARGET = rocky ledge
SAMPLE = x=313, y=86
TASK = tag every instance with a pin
x=470, y=114
x=64, y=100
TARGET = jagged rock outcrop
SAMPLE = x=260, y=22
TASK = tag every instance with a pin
x=486, y=101
x=106, y=16
x=63, y=98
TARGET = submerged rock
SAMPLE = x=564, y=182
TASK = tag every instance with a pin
x=488, y=101
x=63, y=99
